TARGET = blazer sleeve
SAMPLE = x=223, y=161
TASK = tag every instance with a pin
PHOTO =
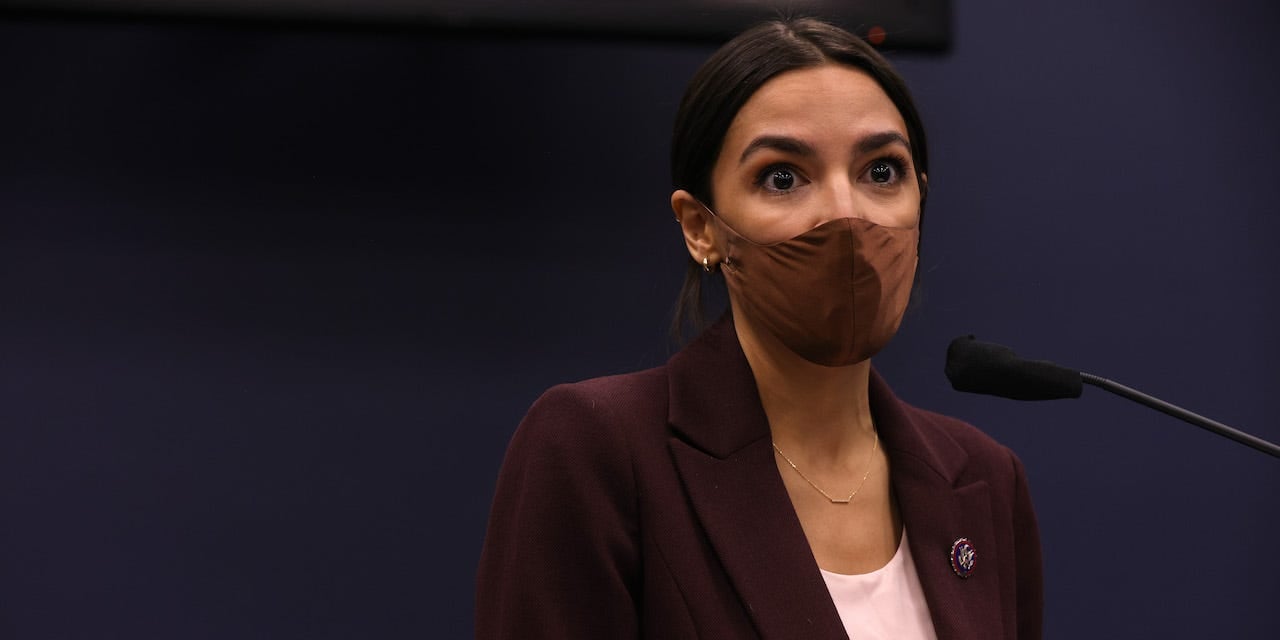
x=560, y=557
x=1030, y=570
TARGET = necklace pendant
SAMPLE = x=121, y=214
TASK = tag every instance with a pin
x=875, y=444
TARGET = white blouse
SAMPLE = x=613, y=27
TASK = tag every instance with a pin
x=886, y=604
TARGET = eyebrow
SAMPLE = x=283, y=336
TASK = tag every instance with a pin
x=777, y=143
x=787, y=144
x=882, y=139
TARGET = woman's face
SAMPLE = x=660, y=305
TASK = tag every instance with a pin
x=811, y=146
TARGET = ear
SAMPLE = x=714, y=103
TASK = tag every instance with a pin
x=700, y=231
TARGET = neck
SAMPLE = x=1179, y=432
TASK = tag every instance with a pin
x=821, y=411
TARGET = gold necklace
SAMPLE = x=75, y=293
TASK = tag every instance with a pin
x=875, y=443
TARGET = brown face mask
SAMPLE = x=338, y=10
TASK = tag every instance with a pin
x=834, y=294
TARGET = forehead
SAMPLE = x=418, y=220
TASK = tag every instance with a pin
x=817, y=102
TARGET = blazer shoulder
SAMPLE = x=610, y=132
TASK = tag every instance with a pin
x=592, y=415
x=984, y=452
x=622, y=391
x=616, y=396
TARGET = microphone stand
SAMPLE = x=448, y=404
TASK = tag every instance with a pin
x=1180, y=413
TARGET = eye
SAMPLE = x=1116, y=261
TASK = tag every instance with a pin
x=885, y=172
x=778, y=179
x=881, y=172
x=781, y=180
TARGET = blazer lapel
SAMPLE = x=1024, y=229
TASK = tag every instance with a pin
x=937, y=510
x=723, y=455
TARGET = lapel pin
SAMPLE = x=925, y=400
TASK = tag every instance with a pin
x=963, y=557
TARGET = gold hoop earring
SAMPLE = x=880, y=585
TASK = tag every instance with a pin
x=706, y=264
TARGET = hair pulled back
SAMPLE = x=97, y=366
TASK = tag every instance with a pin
x=728, y=79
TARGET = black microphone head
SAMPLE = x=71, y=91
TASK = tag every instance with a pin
x=983, y=367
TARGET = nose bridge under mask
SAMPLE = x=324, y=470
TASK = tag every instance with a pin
x=735, y=236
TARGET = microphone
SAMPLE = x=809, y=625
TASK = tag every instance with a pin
x=993, y=369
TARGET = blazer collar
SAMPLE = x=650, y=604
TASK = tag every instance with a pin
x=723, y=452
x=939, y=506
x=714, y=400
x=716, y=406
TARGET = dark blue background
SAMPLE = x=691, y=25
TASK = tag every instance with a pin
x=272, y=303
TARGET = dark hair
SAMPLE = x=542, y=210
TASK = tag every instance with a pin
x=731, y=76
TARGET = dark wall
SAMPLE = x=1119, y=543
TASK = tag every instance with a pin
x=272, y=302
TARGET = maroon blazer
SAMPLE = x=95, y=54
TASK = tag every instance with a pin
x=649, y=505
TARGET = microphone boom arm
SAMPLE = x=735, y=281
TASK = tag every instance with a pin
x=1180, y=413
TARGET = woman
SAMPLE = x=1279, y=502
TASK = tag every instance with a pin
x=766, y=482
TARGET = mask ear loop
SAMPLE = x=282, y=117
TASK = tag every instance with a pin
x=728, y=258
x=735, y=236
